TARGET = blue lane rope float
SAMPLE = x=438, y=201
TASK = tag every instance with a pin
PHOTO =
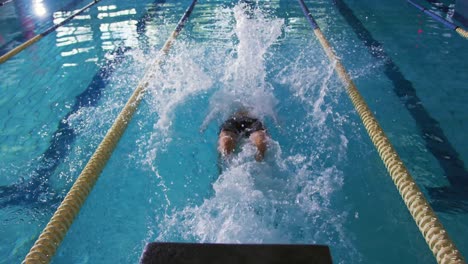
x=36, y=38
x=431, y=228
x=462, y=32
x=46, y=245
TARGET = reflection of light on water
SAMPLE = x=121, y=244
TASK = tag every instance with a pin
x=71, y=35
x=118, y=13
x=112, y=33
x=39, y=8
x=106, y=8
x=118, y=31
x=59, y=17
x=75, y=51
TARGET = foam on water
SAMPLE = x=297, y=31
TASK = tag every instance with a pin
x=280, y=200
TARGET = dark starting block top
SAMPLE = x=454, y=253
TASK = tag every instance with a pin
x=185, y=253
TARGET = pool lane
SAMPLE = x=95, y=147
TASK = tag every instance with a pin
x=453, y=198
x=30, y=193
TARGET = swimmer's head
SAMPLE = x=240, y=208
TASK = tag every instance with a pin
x=242, y=111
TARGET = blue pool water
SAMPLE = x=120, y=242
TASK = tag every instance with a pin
x=322, y=181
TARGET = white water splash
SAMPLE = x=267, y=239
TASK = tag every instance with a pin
x=175, y=81
x=243, y=83
x=179, y=78
x=287, y=198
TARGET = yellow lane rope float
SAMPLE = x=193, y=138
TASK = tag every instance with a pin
x=431, y=228
x=462, y=32
x=52, y=235
x=36, y=38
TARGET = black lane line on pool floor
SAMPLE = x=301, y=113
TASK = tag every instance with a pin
x=445, y=199
x=36, y=188
x=35, y=191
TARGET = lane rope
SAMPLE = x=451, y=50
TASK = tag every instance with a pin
x=461, y=31
x=36, y=38
x=5, y=2
x=46, y=245
x=431, y=228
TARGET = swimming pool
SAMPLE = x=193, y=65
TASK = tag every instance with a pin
x=322, y=180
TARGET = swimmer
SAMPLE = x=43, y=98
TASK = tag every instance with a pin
x=241, y=124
